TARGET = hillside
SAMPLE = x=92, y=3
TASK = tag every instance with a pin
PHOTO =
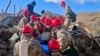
x=91, y=19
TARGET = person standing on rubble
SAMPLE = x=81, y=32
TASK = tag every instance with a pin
x=69, y=16
x=31, y=6
x=28, y=46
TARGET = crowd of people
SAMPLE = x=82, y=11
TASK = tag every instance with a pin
x=47, y=29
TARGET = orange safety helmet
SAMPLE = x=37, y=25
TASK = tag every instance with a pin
x=34, y=17
x=56, y=22
x=26, y=12
x=27, y=29
x=53, y=44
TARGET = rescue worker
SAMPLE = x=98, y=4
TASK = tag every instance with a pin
x=54, y=47
x=28, y=46
x=57, y=26
x=45, y=35
x=33, y=20
x=31, y=6
x=25, y=19
x=64, y=38
x=69, y=16
x=34, y=24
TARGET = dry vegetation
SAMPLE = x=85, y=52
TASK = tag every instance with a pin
x=91, y=19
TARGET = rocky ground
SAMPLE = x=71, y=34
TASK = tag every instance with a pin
x=91, y=19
